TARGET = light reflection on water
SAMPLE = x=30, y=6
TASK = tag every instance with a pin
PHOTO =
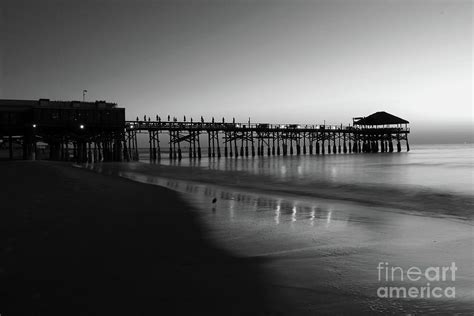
x=245, y=209
x=255, y=224
x=290, y=210
x=444, y=167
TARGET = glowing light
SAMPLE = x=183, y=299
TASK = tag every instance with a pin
x=277, y=213
x=34, y=125
x=300, y=170
x=81, y=126
x=328, y=220
x=283, y=170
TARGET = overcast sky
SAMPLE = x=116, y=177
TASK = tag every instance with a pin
x=275, y=61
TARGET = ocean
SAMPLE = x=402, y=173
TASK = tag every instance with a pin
x=333, y=218
x=434, y=179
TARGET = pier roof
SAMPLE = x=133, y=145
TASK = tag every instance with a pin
x=381, y=118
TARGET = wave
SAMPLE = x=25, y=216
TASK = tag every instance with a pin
x=426, y=164
x=411, y=199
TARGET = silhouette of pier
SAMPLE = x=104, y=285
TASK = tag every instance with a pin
x=380, y=132
x=98, y=132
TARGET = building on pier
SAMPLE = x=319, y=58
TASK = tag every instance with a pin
x=380, y=119
x=380, y=129
x=61, y=130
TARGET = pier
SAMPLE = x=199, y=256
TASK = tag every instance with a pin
x=98, y=132
x=379, y=132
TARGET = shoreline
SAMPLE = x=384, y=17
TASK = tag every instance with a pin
x=347, y=239
x=74, y=242
x=147, y=248
x=429, y=206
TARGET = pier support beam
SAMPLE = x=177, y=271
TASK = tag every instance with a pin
x=218, y=145
x=209, y=153
x=171, y=145
x=235, y=145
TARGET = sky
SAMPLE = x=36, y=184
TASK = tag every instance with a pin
x=273, y=61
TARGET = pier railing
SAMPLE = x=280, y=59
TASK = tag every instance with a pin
x=145, y=125
x=164, y=125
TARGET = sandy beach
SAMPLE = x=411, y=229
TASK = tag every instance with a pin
x=322, y=254
x=74, y=242
x=79, y=242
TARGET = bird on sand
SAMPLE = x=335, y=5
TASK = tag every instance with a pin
x=214, y=200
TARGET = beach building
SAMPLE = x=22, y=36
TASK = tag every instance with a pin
x=61, y=130
x=383, y=128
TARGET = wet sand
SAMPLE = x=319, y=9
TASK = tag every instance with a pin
x=74, y=242
x=87, y=243
x=322, y=254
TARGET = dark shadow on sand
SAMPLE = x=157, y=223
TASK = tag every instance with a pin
x=76, y=242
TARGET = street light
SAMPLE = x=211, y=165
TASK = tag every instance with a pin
x=34, y=125
x=81, y=126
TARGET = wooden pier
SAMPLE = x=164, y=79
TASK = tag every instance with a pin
x=379, y=132
x=98, y=132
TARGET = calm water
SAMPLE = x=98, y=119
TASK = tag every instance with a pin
x=443, y=167
x=334, y=217
x=431, y=178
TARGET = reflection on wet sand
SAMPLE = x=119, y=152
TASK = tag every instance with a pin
x=290, y=210
x=332, y=246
